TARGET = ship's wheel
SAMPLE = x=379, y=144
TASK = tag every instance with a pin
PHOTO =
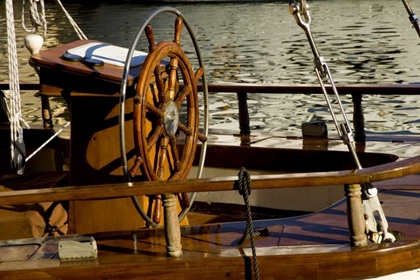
x=166, y=115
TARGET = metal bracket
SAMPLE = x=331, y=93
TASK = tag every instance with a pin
x=376, y=230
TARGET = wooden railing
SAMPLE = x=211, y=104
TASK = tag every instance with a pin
x=382, y=172
x=356, y=91
x=242, y=91
x=351, y=179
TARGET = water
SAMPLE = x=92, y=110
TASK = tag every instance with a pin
x=362, y=42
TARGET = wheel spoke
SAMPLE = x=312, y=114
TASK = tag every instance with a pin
x=184, y=200
x=198, y=74
x=202, y=137
x=184, y=129
x=162, y=158
x=150, y=37
x=135, y=167
x=160, y=84
x=175, y=154
x=154, y=137
x=152, y=108
x=184, y=93
x=178, y=29
x=173, y=68
x=157, y=204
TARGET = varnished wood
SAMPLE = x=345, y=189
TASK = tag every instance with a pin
x=320, y=249
x=364, y=89
x=210, y=252
x=178, y=29
x=377, y=173
x=148, y=129
x=155, y=136
x=92, y=96
x=150, y=37
x=355, y=217
x=51, y=59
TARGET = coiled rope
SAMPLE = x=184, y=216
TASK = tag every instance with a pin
x=244, y=187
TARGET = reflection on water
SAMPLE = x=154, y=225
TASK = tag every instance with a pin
x=362, y=41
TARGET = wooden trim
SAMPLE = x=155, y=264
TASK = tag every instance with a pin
x=378, y=173
x=368, y=89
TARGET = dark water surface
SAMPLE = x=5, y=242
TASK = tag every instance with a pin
x=368, y=41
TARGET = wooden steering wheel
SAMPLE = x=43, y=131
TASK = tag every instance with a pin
x=166, y=118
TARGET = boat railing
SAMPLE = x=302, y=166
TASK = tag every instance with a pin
x=351, y=179
x=356, y=92
x=243, y=90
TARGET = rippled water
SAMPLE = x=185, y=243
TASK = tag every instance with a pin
x=368, y=41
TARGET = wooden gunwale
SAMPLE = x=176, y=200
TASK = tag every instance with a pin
x=377, y=173
x=212, y=266
x=210, y=252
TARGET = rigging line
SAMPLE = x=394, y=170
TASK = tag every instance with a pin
x=77, y=29
x=48, y=141
x=37, y=21
x=16, y=133
x=37, y=18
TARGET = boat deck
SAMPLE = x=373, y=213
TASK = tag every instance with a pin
x=314, y=246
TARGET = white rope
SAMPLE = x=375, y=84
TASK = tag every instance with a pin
x=76, y=28
x=16, y=132
x=37, y=18
x=48, y=141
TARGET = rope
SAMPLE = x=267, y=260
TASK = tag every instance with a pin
x=244, y=187
x=76, y=28
x=17, y=147
x=37, y=19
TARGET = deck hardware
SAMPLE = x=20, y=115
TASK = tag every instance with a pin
x=71, y=57
x=371, y=205
x=83, y=248
x=412, y=17
x=314, y=130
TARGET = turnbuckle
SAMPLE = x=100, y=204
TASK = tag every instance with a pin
x=371, y=204
x=412, y=17
x=300, y=11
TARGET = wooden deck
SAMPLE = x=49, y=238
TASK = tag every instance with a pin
x=314, y=246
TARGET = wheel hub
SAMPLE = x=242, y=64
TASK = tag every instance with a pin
x=171, y=118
